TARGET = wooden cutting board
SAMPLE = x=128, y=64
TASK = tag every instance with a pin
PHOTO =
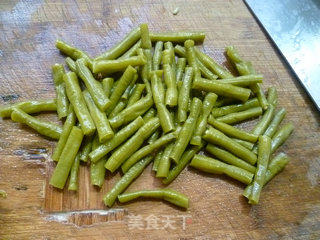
x=290, y=204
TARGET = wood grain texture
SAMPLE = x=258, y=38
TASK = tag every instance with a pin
x=290, y=204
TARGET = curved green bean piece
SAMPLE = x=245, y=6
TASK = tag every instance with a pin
x=171, y=97
x=157, y=55
x=207, y=106
x=118, y=138
x=45, y=128
x=146, y=150
x=67, y=157
x=221, y=111
x=185, y=159
x=191, y=58
x=264, y=122
x=212, y=65
x=186, y=131
x=243, y=81
x=164, y=163
x=229, y=158
x=99, y=118
x=214, y=166
x=62, y=99
x=145, y=38
x=130, y=39
x=157, y=160
x=222, y=89
x=273, y=126
x=275, y=166
x=237, y=117
x=177, y=36
x=281, y=136
x=136, y=94
x=107, y=84
x=264, y=152
x=86, y=148
x=181, y=65
x=76, y=99
x=126, y=180
x=246, y=144
x=67, y=126
x=132, y=51
x=233, y=131
x=151, y=113
x=124, y=151
x=272, y=96
x=3, y=194
x=184, y=94
x=97, y=169
x=71, y=64
x=218, y=138
x=168, y=195
x=29, y=107
x=73, y=181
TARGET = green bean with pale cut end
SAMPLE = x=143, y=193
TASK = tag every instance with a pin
x=207, y=106
x=191, y=58
x=184, y=94
x=71, y=64
x=272, y=96
x=171, y=97
x=222, y=89
x=177, y=36
x=62, y=99
x=157, y=55
x=146, y=150
x=119, y=137
x=3, y=194
x=277, y=119
x=122, y=153
x=168, y=195
x=281, y=136
x=264, y=152
x=221, y=111
x=246, y=144
x=107, y=84
x=45, y=128
x=233, y=131
x=164, y=163
x=136, y=94
x=132, y=51
x=181, y=65
x=122, y=84
x=216, y=137
x=145, y=38
x=74, y=172
x=67, y=157
x=100, y=119
x=185, y=159
x=214, y=166
x=229, y=158
x=76, y=99
x=29, y=107
x=120, y=48
x=67, y=126
x=126, y=180
x=86, y=148
x=243, y=81
x=186, y=131
x=264, y=122
x=157, y=160
x=97, y=169
x=237, y=117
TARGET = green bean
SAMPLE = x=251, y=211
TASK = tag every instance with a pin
x=281, y=136
x=273, y=126
x=207, y=106
x=186, y=131
x=218, y=138
x=107, y=84
x=147, y=68
x=164, y=163
x=233, y=54
x=146, y=150
x=48, y=129
x=171, y=97
x=111, y=66
x=222, y=89
x=223, y=101
x=275, y=166
x=157, y=55
x=229, y=158
x=246, y=144
x=3, y=194
x=97, y=169
x=157, y=160
x=264, y=152
x=237, y=117
x=76, y=99
x=181, y=65
x=272, y=96
x=126, y=180
x=191, y=58
x=62, y=99
x=130, y=88
x=214, y=166
x=221, y=111
x=233, y=131
x=185, y=159
x=136, y=94
x=168, y=195
x=29, y=107
x=73, y=181
x=169, y=46
x=118, y=138
x=212, y=65
x=132, y=51
x=100, y=119
x=122, y=84
x=177, y=36
x=71, y=64
x=86, y=148
x=166, y=57
x=163, y=113
x=257, y=90
x=243, y=81
x=264, y=122
x=145, y=38
x=151, y=113
x=67, y=126
x=154, y=136
x=184, y=94
x=118, y=108
x=121, y=47
x=73, y=52
x=124, y=151
x=67, y=157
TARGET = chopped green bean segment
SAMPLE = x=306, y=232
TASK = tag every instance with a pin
x=157, y=55
x=147, y=67
x=171, y=97
x=149, y=115
x=181, y=65
x=136, y=94
x=223, y=101
x=184, y=94
x=157, y=160
x=71, y=64
x=257, y=90
x=277, y=119
x=164, y=163
x=237, y=117
x=264, y=122
x=281, y=136
x=272, y=96
x=86, y=148
x=191, y=58
x=107, y=84
x=132, y=51
x=177, y=36
x=73, y=181
x=243, y=81
x=62, y=99
x=169, y=47
x=168, y=195
x=97, y=169
x=246, y=144
x=145, y=38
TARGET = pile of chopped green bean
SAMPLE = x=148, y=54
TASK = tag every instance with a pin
x=156, y=97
